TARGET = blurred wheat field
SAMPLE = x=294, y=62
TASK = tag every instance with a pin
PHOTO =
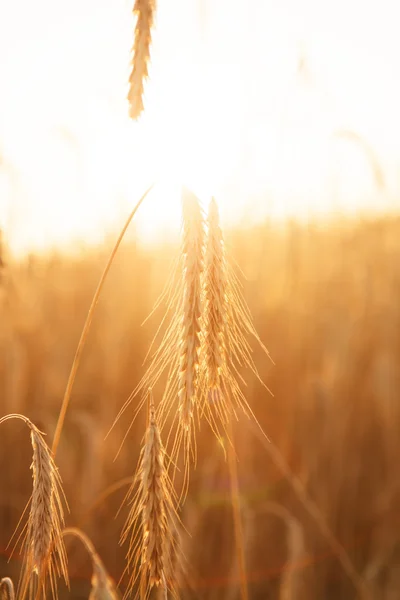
x=326, y=302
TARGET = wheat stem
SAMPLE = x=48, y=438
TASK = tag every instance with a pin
x=86, y=327
x=103, y=587
x=236, y=512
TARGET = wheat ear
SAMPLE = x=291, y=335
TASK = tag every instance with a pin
x=225, y=326
x=153, y=546
x=179, y=351
x=189, y=339
x=144, y=11
x=43, y=545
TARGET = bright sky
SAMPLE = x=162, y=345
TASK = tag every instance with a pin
x=276, y=108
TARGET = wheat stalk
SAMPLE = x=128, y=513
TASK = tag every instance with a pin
x=144, y=11
x=86, y=327
x=103, y=587
x=151, y=498
x=43, y=546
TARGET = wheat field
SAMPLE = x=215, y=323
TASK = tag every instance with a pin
x=214, y=419
x=317, y=501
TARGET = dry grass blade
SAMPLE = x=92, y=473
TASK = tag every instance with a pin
x=226, y=324
x=43, y=546
x=7, y=589
x=152, y=546
x=144, y=11
x=103, y=587
x=86, y=327
x=338, y=550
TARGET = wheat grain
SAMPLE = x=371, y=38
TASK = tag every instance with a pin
x=153, y=545
x=144, y=11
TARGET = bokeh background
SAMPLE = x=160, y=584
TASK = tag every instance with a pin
x=288, y=115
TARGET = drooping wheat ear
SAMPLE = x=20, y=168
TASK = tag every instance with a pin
x=103, y=587
x=153, y=546
x=7, y=589
x=225, y=325
x=144, y=11
x=43, y=545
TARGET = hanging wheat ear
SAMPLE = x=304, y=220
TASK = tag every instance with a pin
x=103, y=587
x=152, y=545
x=226, y=324
x=43, y=546
x=144, y=11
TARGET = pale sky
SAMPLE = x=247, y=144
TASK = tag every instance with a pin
x=243, y=102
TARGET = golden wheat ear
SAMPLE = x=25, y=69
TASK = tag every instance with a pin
x=7, y=589
x=226, y=323
x=103, y=587
x=144, y=10
x=178, y=352
x=152, y=546
x=43, y=547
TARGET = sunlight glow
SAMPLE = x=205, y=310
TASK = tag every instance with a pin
x=251, y=116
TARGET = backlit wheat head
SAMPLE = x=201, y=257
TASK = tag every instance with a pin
x=179, y=351
x=189, y=334
x=151, y=527
x=43, y=545
x=226, y=323
x=144, y=11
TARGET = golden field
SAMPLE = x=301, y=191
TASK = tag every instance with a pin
x=326, y=302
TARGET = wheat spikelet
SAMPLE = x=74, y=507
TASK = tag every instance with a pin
x=225, y=325
x=43, y=546
x=144, y=11
x=153, y=545
x=7, y=589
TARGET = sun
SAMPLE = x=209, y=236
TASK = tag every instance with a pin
x=248, y=117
